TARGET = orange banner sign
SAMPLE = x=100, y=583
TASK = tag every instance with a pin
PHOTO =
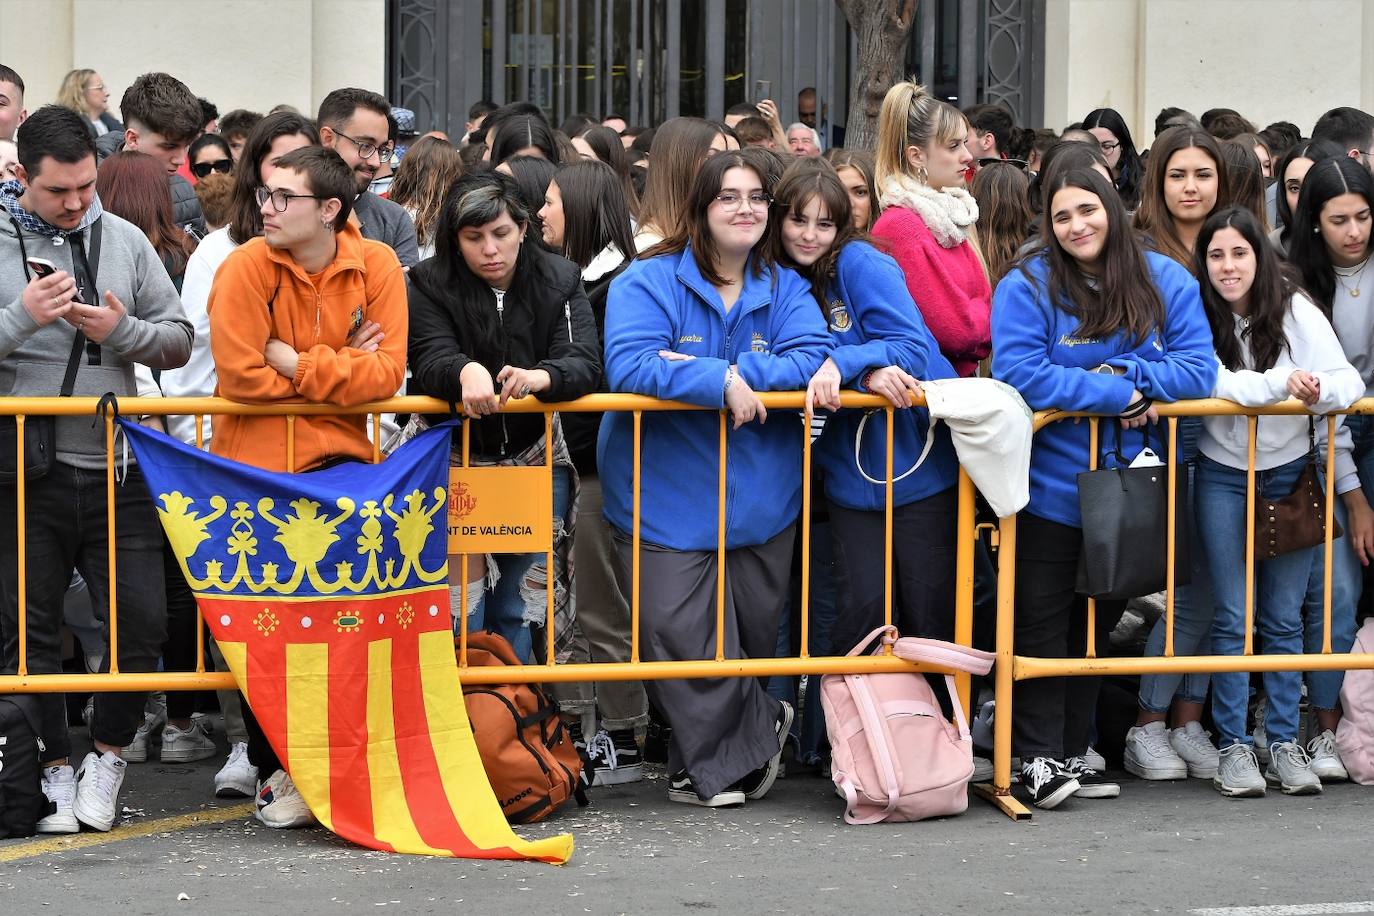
x=500, y=510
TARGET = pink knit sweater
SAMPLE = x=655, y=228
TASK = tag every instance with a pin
x=948, y=285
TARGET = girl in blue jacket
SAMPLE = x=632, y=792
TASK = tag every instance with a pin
x=879, y=343
x=1090, y=322
x=706, y=318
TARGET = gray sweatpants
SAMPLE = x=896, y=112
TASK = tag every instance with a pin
x=723, y=728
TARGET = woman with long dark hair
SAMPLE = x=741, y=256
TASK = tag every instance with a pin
x=1114, y=139
x=1273, y=344
x=878, y=344
x=586, y=219
x=1244, y=179
x=1088, y=322
x=495, y=316
x=679, y=148
x=1331, y=248
x=1185, y=182
x=1289, y=174
x=523, y=135
x=706, y=317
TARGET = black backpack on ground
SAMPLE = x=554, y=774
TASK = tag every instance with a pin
x=22, y=802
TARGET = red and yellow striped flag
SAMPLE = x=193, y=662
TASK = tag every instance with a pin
x=328, y=595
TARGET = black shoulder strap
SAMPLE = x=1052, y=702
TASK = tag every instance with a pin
x=86, y=267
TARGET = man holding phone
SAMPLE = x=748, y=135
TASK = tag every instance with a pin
x=61, y=333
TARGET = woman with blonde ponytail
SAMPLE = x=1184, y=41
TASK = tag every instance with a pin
x=928, y=220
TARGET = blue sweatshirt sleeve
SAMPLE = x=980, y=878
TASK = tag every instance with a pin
x=1188, y=368
x=1023, y=333
x=640, y=308
x=874, y=291
x=801, y=340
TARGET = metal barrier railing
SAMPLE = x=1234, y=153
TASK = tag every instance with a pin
x=635, y=669
x=1011, y=667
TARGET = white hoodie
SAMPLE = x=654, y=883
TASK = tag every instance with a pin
x=1312, y=346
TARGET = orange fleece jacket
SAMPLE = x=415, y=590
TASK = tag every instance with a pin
x=260, y=293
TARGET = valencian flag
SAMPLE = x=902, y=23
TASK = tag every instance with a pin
x=328, y=594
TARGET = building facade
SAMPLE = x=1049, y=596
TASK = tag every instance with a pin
x=1050, y=61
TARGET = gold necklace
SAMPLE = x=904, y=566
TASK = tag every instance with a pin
x=1357, y=274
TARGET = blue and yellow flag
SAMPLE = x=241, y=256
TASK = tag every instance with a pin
x=328, y=595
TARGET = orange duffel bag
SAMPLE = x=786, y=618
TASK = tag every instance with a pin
x=529, y=756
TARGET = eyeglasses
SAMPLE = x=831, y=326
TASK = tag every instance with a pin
x=1108, y=145
x=366, y=149
x=280, y=197
x=203, y=169
x=731, y=200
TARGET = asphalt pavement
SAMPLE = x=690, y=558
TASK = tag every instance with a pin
x=1159, y=848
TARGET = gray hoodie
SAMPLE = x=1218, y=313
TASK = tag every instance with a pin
x=33, y=359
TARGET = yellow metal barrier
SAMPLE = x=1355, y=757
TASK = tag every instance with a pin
x=1012, y=667
x=635, y=669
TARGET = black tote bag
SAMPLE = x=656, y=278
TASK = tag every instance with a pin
x=1125, y=514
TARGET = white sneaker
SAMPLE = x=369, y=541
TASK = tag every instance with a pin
x=187, y=745
x=1151, y=755
x=97, y=790
x=1326, y=758
x=136, y=751
x=1195, y=748
x=1095, y=760
x=280, y=806
x=237, y=778
x=982, y=769
x=1238, y=773
x=1291, y=769
x=59, y=785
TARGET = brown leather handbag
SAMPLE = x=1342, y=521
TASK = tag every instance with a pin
x=1298, y=520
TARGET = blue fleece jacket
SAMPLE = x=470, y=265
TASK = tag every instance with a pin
x=773, y=334
x=874, y=323
x=1036, y=349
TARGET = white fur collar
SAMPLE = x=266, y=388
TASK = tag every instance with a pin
x=945, y=212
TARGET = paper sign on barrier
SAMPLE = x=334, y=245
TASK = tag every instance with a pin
x=500, y=510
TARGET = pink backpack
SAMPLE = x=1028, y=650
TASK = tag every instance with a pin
x=1355, y=733
x=895, y=756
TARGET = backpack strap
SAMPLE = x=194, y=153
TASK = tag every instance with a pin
x=944, y=654
x=880, y=745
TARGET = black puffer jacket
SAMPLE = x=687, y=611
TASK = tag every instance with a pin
x=548, y=325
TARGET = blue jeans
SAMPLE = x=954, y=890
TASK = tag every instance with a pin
x=1281, y=585
x=505, y=609
x=1192, y=624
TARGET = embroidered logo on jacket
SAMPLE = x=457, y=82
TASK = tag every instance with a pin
x=357, y=321
x=839, y=316
x=758, y=343
x=689, y=338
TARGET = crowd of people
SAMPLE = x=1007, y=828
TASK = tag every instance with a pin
x=341, y=257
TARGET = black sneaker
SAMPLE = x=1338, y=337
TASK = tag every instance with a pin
x=681, y=789
x=615, y=758
x=1048, y=782
x=757, y=783
x=1091, y=784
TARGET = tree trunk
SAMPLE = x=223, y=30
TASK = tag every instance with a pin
x=881, y=28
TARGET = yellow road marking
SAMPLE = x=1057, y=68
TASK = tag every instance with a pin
x=69, y=842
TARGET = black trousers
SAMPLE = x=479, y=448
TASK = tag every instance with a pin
x=923, y=560
x=1053, y=717
x=65, y=529
x=179, y=652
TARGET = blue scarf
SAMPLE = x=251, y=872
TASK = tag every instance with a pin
x=11, y=191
